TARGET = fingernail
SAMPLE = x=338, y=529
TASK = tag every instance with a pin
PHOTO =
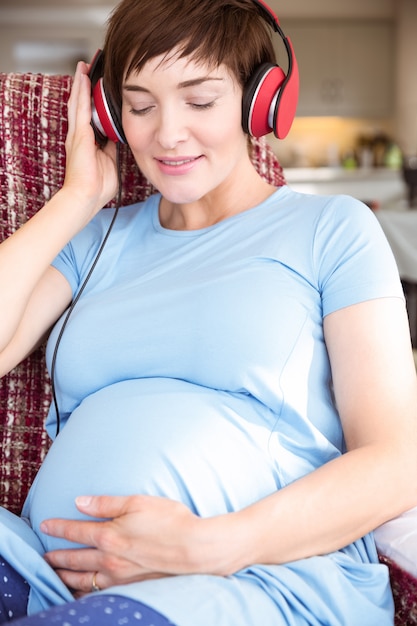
x=44, y=527
x=83, y=501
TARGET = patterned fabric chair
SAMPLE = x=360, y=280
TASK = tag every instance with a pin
x=33, y=125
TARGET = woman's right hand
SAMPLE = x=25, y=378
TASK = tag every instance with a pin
x=91, y=171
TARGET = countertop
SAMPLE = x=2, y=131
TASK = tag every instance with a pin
x=383, y=187
x=330, y=174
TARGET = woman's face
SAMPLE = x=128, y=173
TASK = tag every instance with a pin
x=182, y=121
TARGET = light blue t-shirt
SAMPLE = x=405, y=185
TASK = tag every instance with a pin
x=194, y=367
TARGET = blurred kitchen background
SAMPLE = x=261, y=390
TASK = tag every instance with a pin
x=356, y=125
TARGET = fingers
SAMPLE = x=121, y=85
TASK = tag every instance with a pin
x=82, y=583
x=79, y=103
x=79, y=568
x=73, y=99
x=75, y=531
x=81, y=559
x=129, y=538
x=96, y=532
x=101, y=508
x=76, y=568
x=108, y=506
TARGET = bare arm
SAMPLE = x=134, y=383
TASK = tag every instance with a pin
x=49, y=299
x=32, y=294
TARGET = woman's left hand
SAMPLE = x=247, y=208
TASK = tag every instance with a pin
x=140, y=537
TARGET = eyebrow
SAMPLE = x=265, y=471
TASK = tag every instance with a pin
x=187, y=83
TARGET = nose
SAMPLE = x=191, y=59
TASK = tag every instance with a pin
x=172, y=128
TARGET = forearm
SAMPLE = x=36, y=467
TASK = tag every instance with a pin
x=25, y=256
x=320, y=513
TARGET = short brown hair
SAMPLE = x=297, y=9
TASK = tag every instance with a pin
x=230, y=32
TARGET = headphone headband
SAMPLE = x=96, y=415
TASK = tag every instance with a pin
x=269, y=14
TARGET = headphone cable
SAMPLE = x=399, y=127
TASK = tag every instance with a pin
x=83, y=286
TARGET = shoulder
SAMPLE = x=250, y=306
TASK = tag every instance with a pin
x=322, y=223
x=309, y=212
x=324, y=220
x=119, y=220
x=338, y=244
x=109, y=231
x=319, y=208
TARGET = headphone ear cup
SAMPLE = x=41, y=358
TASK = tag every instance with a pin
x=105, y=116
x=286, y=103
x=259, y=99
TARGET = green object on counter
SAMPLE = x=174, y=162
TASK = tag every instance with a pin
x=349, y=163
x=393, y=157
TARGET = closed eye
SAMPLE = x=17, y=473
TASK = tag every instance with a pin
x=194, y=105
x=203, y=106
x=140, y=112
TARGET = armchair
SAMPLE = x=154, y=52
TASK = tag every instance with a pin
x=33, y=124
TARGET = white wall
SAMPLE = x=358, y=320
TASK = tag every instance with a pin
x=81, y=28
x=406, y=87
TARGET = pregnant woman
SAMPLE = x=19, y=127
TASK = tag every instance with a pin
x=235, y=390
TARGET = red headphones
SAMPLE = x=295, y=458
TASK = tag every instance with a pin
x=269, y=98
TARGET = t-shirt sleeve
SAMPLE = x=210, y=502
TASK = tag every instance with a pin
x=65, y=263
x=75, y=259
x=353, y=258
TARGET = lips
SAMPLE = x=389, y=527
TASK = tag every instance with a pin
x=177, y=166
x=177, y=162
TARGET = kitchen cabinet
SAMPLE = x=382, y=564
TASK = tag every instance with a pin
x=346, y=67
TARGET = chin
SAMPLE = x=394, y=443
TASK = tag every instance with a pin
x=181, y=196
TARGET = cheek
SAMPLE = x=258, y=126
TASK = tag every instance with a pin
x=225, y=130
x=136, y=138
x=135, y=129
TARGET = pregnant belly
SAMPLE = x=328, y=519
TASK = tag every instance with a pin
x=206, y=448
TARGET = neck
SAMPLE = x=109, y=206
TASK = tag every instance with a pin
x=225, y=201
